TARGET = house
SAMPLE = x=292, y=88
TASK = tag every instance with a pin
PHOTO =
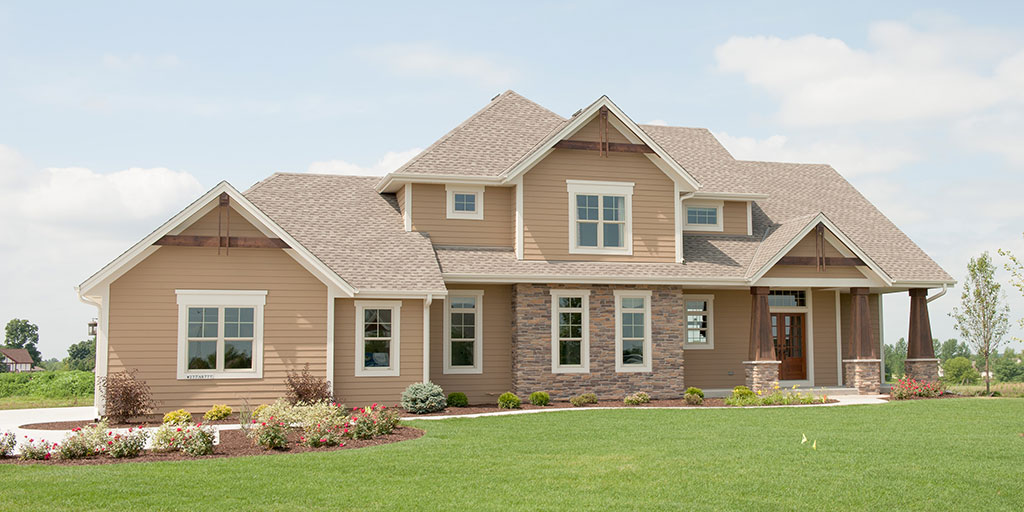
x=522, y=251
x=16, y=360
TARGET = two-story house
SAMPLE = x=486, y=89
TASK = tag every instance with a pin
x=522, y=251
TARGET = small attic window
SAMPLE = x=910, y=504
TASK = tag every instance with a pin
x=703, y=216
x=464, y=202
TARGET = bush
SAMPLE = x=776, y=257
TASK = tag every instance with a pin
x=304, y=388
x=912, y=388
x=695, y=391
x=423, y=397
x=458, y=400
x=743, y=397
x=742, y=392
x=372, y=421
x=540, y=398
x=508, y=400
x=589, y=398
x=693, y=399
x=126, y=396
x=7, y=442
x=37, y=450
x=637, y=398
x=259, y=410
x=217, y=412
x=55, y=384
x=271, y=434
x=960, y=371
x=281, y=410
x=129, y=444
x=179, y=417
x=198, y=440
x=169, y=437
x=77, y=445
x=319, y=435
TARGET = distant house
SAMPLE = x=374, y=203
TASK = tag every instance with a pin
x=17, y=359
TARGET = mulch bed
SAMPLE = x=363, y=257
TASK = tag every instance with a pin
x=889, y=398
x=233, y=443
x=480, y=409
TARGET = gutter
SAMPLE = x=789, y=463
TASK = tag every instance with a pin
x=937, y=295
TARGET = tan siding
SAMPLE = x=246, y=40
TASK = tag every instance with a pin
x=734, y=218
x=358, y=391
x=400, y=198
x=207, y=225
x=806, y=248
x=429, y=210
x=823, y=304
x=546, y=205
x=496, y=378
x=710, y=368
x=591, y=132
x=143, y=330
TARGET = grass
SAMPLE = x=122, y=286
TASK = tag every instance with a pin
x=915, y=455
x=1014, y=389
x=32, y=402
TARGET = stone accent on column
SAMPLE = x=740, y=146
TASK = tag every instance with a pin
x=763, y=375
x=921, y=363
x=863, y=374
x=922, y=369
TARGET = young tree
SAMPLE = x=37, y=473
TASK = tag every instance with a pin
x=894, y=358
x=22, y=334
x=959, y=371
x=983, y=316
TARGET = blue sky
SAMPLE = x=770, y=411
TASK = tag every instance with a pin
x=113, y=116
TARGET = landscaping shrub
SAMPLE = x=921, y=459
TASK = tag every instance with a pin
x=129, y=444
x=281, y=410
x=36, y=450
x=325, y=413
x=169, y=437
x=457, y=400
x=217, y=412
x=179, y=417
x=58, y=384
x=77, y=445
x=127, y=396
x=508, y=400
x=960, y=371
x=540, y=398
x=305, y=388
x=423, y=397
x=743, y=397
x=271, y=434
x=912, y=388
x=693, y=399
x=637, y=398
x=694, y=391
x=7, y=442
x=258, y=410
x=582, y=400
x=198, y=440
x=372, y=421
x=319, y=435
x=743, y=392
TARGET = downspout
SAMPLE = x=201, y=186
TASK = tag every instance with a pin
x=426, y=336
x=937, y=295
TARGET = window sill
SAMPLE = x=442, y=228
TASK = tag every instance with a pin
x=569, y=369
x=388, y=372
x=698, y=346
x=221, y=375
x=633, y=369
x=463, y=371
x=708, y=228
x=601, y=250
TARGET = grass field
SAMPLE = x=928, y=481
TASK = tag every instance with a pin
x=32, y=402
x=1012, y=389
x=917, y=455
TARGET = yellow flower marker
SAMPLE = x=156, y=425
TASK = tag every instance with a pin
x=804, y=440
x=815, y=445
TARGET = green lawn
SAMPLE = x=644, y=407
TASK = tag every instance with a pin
x=31, y=402
x=918, y=455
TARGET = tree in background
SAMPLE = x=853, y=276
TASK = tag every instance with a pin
x=895, y=355
x=22, y=334
x=52, y=365
x=82, y=356
x=959, y=370
x=1008, y=367
x=951, y=348
x=983, y=316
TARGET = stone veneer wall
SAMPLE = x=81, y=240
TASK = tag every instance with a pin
x=531, y=345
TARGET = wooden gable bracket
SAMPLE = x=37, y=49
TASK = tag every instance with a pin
x=819, y=260
x=604, y=146
x=225, y=241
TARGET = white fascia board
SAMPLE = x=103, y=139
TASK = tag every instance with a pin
x=726, y=196
x=392, y=182
x=593, y=279
x=400, y=294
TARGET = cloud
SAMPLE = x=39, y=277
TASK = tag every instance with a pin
x=421, y=59
x=904, y=74
x=657, y=122
x=848, y=157
x=138, y=60
x=389, y=162
x=1001, y=133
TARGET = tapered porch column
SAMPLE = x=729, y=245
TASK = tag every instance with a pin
x=762, y=367
x=863, y=370
x=921, y=363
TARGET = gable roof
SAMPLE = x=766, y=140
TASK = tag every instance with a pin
x=18, y=355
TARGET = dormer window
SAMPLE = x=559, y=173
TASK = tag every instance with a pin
x=703, y=216
x=465, y=202
x=600, y=217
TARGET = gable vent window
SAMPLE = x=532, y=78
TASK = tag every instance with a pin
x=787, y=298
x=464, y=202
x=703, y=215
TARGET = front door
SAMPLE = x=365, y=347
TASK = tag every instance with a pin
x=789, y=335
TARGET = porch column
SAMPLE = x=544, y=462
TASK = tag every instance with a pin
x=761, y=368
x=863, y=369
x=921, y=363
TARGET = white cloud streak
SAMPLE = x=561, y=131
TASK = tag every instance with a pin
x=848, y=157
x=389, y=162
x=427, y=60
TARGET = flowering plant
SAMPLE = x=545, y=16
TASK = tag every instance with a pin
x=169, y=437
x=319, y=435
x=37, y=450
x=129, y=444
x=7, y=442
x=198, y=440
x=912, y=388
x=270, y=434
x=372, y=421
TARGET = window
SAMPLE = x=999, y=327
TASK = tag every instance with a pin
x=699, y=322
x=600, y=217
x=703, y=216
x=787, y=298
x=378, y=323
x=570, y=331
x=463, y=332
x=220, y=334
x=464, y=202
x=633, y=331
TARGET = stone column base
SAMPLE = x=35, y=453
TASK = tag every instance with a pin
x=863, y=374
x=923, y=369
x=762, y=375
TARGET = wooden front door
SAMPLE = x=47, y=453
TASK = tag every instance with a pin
x=789, y=333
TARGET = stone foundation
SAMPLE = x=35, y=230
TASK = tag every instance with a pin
x=863, y=374
x=922, y=369
x=763, y=375
x=531, y=345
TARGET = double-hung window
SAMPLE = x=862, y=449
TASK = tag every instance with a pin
x=463, y=340
x=632, y=331
x=700, y=331
x=570, y=331
x=378, y=324
x=703, y=215
x=600, y=217
x=220, y=334
x=464, y=202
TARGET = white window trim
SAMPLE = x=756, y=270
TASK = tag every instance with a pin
x=256, y=299
x=646, y=295
x=808, y=309
x=611, y=188
x=478, y=191
x=710, y=345
x=717, y=205
x=396, y=326
x=478, y=342
x=584, y=366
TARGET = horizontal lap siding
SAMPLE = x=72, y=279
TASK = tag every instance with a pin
x=710, y=368
x=591, y=132
x=207, y=225
x=546, y=204
x=143, y=330
x=358, y=391
x=806, y=248
x=825, y=365
x=496, y=378
x=430, y=211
